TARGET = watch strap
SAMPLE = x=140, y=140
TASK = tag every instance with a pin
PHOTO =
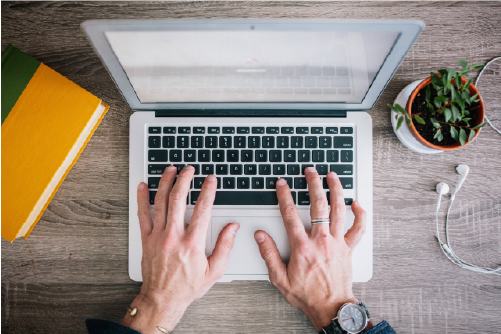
x=335, y=328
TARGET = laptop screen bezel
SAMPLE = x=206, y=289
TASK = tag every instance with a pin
x=408, y=31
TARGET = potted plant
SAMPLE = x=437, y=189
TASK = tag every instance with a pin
x=443, y=112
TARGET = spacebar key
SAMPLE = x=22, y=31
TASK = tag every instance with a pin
x=241, y=197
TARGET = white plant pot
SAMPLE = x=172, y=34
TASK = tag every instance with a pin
x=404, y=134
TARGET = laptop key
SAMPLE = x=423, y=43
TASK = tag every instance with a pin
x=268, y=142
x=302, y=130
x=222, y=169
x=325, y=142
x=342, y=169
x=228, y=183
x=198, y=182
x=347, y=201
x=264, y=169
x=157, y=169
x=331, y=130
x=244, y=130
x=197, y=168
x=343, y=142
x=311, y=142
x=246, y=155
x=278, y=169
x=154, y=141
x=243, y=183
x=303, y=156
x=154, y=129
x=225, y=142
x=197, y=142
x=317, y=156
x=346, y=130
x=346, y=156
x=289, y=156
x=153, y=182
x=169, y=129
x=296, y=142
x=293, y=169
x=275, y=156
x=271, y=182
x=232, y=156
x=203, y=155
x=240, y=141
x=258, y=183
x=272, y=130
x=158, y=155
x=287, y=130
x=207, y=169
x=289, y=182
x=152, y=197
x=332, y=156
x=346, y=182
x=228, y=129
x=241, y=197
x=198, y=129
x=190, y=155
x=300, y=183
x=258, y=130
x=254, y=142
x=184, y=129
x=213, y=129
x=211, y=141
x=317, y=130
x=282, y=142
x=261, y=156
x=303, y=198
x=218, y=155
x=179, y=168
x=323, y=169
x=183, y=142
x=250, y=169
x=168, y=141
x=236, y=169
x=303, y=167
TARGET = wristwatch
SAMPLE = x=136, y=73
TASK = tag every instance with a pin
x=351, y=318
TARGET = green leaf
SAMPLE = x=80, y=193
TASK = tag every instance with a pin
x=472, y=134
x=399, y=123
x=447, y=88
x=459, y=81
x=435, y=123
x=476, y=66
x=401, y=109
x=444, y=79
x=392, y=107
x=462, y=136
x=478, y=126
x=463, y=64
x=450, y=75
x=419, y=119
x=448, y=114
x=410, y=121
x=438, y=135
x=454, y=133
x=467, y=84
x=396, y=116
x=428, y=93
x=430, y=107
x=453, y=93
x=435, y=80
x=456, y=115
x=472, y=99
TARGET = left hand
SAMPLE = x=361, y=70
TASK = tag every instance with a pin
x=175, y=269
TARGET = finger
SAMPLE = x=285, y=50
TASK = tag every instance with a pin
x=277, y=269
x=338, y=208
x=203, y=209
x=221, y=252
x=292, y=222
x=143, y=210
x=319, y=207
x=162, y=198
x=177, y=200
x=357, y=231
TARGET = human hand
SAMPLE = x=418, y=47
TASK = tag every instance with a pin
x=174, y=266
x=318, y=277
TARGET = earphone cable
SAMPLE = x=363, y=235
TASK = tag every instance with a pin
x=476, y=81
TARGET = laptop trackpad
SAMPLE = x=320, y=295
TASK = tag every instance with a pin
x=245, y=258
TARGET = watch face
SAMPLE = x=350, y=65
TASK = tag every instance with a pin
x=352, y=318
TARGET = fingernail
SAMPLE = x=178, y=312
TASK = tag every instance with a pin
x=235, y=229
x=332, y=175
x=189, y=167
x=310, y=169
x=171, y=168
x=281, y=182
x=141, y=187
x=211, y=178
x=259, y=238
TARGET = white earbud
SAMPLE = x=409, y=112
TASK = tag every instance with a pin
x=442, y=189
x=463, y=171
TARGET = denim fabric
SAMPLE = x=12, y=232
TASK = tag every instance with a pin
x=97, y=326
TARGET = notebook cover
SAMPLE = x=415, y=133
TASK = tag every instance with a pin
x=38, y=132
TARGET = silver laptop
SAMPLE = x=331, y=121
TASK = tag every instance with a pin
x=252, y=101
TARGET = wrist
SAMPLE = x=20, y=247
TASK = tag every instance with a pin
x=152, y=312
x=321, y=315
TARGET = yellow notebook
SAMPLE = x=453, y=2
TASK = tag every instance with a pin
x=46, y=122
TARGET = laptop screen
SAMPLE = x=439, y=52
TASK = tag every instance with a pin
x=251, y=65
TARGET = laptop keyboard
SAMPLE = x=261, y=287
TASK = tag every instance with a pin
x=248, y=160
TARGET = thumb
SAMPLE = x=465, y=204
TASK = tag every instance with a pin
x=269, y=252
x=221, y=252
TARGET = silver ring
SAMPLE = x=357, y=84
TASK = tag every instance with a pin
x=321, y=221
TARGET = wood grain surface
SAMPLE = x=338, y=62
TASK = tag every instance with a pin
x=74, y=264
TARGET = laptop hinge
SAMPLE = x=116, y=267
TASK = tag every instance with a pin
x=249, y=113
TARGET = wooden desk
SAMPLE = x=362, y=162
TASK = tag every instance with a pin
x=74, y=264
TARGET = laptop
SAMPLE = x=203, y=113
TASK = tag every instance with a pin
x=252, y=101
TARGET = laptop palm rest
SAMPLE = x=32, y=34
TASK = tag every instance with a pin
x=245, y=258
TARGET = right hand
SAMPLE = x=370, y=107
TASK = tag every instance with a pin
x=318, y=277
